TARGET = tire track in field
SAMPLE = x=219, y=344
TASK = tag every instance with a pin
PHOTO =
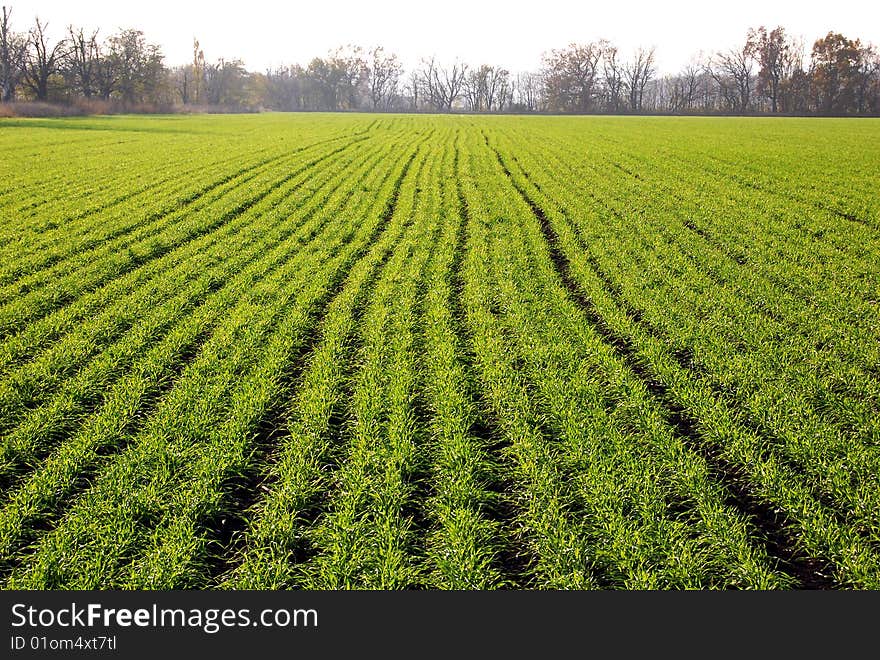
x=828, y=495
x=244, y=493
x=513, y=561
x=407, y=523
x=684, y=360
x=233, y=566
x=684, y=357
x=775, y=535
x=777, y=284
x=790, y=324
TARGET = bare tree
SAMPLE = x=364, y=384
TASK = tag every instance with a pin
x=448, y=82
x=570, y=77
x=636, y=75
x=13, y=51
x=690, y=77
x=83, y=60
x=486, y=88
x=496, y=88
x=383, y=75
x=613, y=74
x=182, y=80
x=472, y=89
x=683, y=90
x=413, y=89
x=350, y=72
x=42, y=60
x=733, y=71
x=442, y=85
x=225, y=83
x=867, y=87
x=529, y=91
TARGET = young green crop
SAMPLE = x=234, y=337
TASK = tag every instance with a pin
x=123, y=401
x=386, y=351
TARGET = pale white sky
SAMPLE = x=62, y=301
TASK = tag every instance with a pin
x=511, y=33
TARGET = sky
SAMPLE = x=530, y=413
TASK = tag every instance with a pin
x=511, y=33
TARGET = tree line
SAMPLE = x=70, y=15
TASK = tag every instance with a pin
x=770, y=72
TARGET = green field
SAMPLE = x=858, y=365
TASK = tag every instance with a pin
x=378, y=351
